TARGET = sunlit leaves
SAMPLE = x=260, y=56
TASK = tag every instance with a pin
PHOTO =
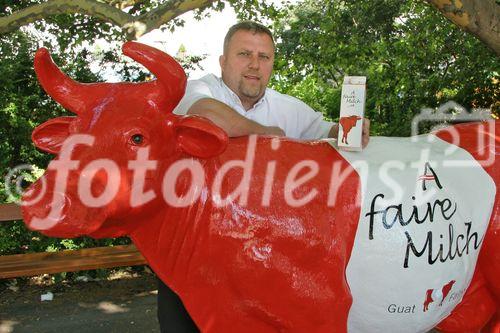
x=412, y=55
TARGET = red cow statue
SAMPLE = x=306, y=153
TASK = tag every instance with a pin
x=264, y=234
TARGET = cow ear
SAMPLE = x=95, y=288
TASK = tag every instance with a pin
x=199, y=137
x=50, y=135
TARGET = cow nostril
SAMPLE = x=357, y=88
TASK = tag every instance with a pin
x=58, y=205
x=62, y=199
x=48, y=213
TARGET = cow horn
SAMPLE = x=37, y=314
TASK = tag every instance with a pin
x=170, y=75
x=70, y=94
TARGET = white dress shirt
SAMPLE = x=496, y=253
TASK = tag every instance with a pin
x=296, y=118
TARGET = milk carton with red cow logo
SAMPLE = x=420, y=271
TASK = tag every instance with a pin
x=352, y=109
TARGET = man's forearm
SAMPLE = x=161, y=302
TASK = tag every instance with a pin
x=229, y=120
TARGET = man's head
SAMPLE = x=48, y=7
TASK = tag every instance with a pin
x=247, y=61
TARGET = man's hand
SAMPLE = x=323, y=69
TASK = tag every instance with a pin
x=334, y=131
x=274, y=130
x=365, y=137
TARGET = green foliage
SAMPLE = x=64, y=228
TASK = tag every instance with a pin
x=314, y=92
x=412, y=56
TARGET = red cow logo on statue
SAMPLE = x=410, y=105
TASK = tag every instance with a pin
x=347, y=124
x=433, y=295
x=264, y=234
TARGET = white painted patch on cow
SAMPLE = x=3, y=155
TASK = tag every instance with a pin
x=390, y=267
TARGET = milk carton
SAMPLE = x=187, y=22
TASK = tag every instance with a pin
x=352, y=110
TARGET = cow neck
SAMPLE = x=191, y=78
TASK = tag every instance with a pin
x=170, y=238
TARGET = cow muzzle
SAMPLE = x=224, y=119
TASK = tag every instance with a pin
x=58, y=214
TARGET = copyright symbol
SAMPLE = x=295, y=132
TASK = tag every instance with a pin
x=16, y=181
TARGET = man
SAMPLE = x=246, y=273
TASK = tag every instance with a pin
x=240, y=101
x=241, y=104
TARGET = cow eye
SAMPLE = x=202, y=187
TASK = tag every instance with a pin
x=137, y=139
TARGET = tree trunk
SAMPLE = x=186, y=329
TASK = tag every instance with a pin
x=134, y=26
x=479, y=17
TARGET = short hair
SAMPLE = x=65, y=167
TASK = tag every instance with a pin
x=254, y=27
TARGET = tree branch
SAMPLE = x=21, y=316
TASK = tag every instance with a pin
x=478, y=17
x=168, y=11
x=134, y=26
x=37, y=12
x=331, y=76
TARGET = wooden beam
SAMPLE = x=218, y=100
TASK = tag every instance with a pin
x=69, y=261
x=63, y=261
x=10, y=212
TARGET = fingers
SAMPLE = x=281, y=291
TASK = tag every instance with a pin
x=366, y=124
x=334, y=131
x=275, y=130
x=366, y=132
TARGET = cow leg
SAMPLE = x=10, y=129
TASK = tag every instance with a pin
x=473, y=313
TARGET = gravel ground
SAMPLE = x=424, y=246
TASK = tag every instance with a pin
x=122, y=304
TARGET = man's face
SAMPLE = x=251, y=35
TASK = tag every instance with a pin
x=247, y=65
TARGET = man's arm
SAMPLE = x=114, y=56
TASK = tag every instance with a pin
x=229, y=120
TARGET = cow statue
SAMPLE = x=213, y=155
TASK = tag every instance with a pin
x=268, y=234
